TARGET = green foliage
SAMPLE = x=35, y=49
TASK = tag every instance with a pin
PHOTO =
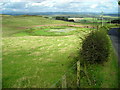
x=95, y=48
x=61, y=18
x=100, y=75
x=105, y=28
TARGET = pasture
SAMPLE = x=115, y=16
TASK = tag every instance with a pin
x=15, y=24
x=37, y=56
x=35, y=60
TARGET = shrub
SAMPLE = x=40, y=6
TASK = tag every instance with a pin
x=95, y=48
x=105, y=28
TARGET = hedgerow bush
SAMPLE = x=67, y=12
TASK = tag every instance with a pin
x=105, y=28
x=95, y=47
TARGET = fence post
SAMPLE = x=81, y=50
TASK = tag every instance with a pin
x=64, y=85
x=78, y=73
x=97, y=27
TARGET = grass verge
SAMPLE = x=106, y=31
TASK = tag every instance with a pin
x=102, y=76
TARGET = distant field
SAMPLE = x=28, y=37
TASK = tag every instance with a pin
x=112, y=17
x=14, y=24
x=93, y=19
x=75, y=19
x=87, y=19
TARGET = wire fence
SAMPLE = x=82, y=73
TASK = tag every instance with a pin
x=68, y=79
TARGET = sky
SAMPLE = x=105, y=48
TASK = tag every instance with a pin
x=107, y=6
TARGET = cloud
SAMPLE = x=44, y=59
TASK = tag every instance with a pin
x=15, y=5
x=94, y=5
x=59, y=5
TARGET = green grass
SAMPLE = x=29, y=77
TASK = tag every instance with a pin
x=103, y=76
x=21, y=34
x=118, y=77
x=39, y=59
x=35, y=61
x=16, y=24
x=52, y=31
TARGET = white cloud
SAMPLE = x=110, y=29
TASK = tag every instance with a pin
x=11, y=0
x=16, y=0
x=94, y=6
x=57, y=0
x=43, y=4
x=60, y=5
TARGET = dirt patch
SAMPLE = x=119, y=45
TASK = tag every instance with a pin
x=64, y=25
x=57, y=25
x=22, y=27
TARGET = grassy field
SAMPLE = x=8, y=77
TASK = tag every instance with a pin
x=35, y=61
x=32, y=59
x=51, y=31
x=94, y=20
x=15, y=24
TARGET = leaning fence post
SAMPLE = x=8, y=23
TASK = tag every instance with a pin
x=64, y=85
x=78, y=73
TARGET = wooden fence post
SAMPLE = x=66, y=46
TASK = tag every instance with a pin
x=64, y=84
x=78, y=73
x=97, y=27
